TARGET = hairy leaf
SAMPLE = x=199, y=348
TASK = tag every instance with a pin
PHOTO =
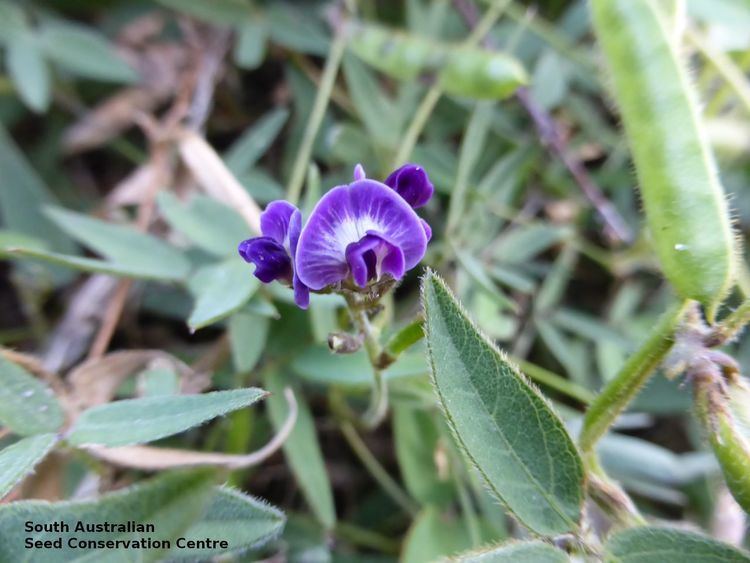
x=19, y=459
x=507, y=429
x=657, y=545
x=27, y=406
x=220, y=290
x=135, y=421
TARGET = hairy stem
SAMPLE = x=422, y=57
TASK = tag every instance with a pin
x=733, y=324
x=625, y=386
x=371, y=340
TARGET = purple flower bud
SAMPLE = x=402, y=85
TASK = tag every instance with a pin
x=412, y=184
x=272, y=261
x=273, y=253
x=363, y=229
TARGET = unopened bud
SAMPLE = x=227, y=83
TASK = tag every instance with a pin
x=344, y=343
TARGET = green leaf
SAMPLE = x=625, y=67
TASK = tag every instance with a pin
x=247, y=336
x=220, y=290
x=250, y=47
x=255, y=141
x=416, y=440
x=29, y=72
x=13, y=21
x=405, y=337
x=218, y=12
x=262, y=186
x=22, y=196
x=158, y=382
x=207, y=223
x=319, y=365
x=521, y=244
x=506, y=428
x=14, y=239
x=88, y=264
x=550, y=80
x=657, y=545
x=170, y=502
x=472, y=146
x=84, y=52
x=479, y=276
x=302, y=450
x=432, y=536
x=515, y=552
x=241, y=520
x=19, y=459
x=135, y=421
x=27, y=406
x=129, y=251
x=288, y=19
x=376, y=111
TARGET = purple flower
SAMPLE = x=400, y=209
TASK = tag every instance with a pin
x=273, y=253
x=412, y=184
x=360, y=232
x=364, y=229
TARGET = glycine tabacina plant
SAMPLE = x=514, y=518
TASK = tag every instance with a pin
x=420, y=282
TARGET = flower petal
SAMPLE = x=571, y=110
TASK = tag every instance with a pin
x=427, y=229
x=412, y=184
x=301, y=293
x=271, y=259
x=344, y=216
x=371, y=257
x=278, y=222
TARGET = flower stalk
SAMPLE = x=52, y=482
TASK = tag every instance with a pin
x=370, y=335
x=625, y=386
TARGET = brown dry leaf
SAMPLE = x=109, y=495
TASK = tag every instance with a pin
x=46, y=482
x=216, y=179
x=95, y=382
x=148, y=458
x=161, y=67
x=108, y=119
x=72, y=336
x=134, y=188
x=141, y=30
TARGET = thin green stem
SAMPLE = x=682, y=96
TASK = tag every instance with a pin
x=378, y=472
x=417, y=124
x=366, y=538
x=726, y=67
x=422, y=115
x=302, y=160
x=625, y=386
x=554, y=381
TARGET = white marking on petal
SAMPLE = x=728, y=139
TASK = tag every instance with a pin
x=351, y=230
